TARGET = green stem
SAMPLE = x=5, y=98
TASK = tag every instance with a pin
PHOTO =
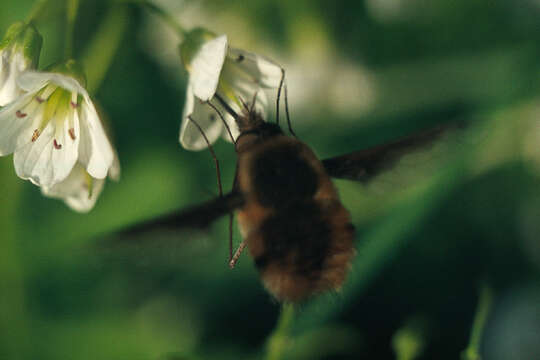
x=97, y=57
x=37, y=9
x=472, y=352
x=167, y=17
x=71, y=14
x=277, y=343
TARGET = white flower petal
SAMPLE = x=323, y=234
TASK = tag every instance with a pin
x=75, y=191
x=65, y=157
x=4, y=65
x=81, y=202
x=33, y=161
x=16, y=131
x=263, y=71
x=10, y=70
x=231, y=122
x=206, y=67
x=232, y=126
x=95, y=150
x=114, y=171
x=190, y=136
x=35, y=80
x=71, y=184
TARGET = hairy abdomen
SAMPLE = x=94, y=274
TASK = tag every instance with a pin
x=297, y=231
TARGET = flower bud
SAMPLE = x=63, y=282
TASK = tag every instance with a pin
x=19, y=51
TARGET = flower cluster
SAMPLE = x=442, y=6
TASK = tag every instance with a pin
x=50, y=124
x=215, y=68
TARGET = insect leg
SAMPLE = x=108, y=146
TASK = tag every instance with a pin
x=231, y=219
x=224, y=122
x=287, y=113
x=237, y=254
x=279, y=94
x=231, y=216
x=216, y=161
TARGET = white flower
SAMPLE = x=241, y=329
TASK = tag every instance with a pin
x=19, y=51
x=80, y=190
x=53, y=126
x=235, y=75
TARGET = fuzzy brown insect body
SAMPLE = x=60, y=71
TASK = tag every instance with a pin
x=295, y=227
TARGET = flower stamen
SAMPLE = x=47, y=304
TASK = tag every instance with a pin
x=20, y=114
x=45, y=93
x=57, y=146
x=74, y=102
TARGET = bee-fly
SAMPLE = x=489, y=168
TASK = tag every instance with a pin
x=292, y=221
x=291, y=218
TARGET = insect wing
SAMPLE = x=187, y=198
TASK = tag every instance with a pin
x=183, y=222
x=364, y=165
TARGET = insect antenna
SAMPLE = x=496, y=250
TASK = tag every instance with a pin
x=224, y=122
x=283, y=85
x=253, y=101
x=240, y=120
x=244, y=104
x=216, y=161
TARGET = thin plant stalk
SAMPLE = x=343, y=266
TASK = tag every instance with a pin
x=72, y=6
x=279, y=340
x=37, y=9
x=472, y=352
x=100, y=52
x=162, y=13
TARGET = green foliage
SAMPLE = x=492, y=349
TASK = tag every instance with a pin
x=429, y=231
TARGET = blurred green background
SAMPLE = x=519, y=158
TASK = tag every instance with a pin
x=431, y=232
